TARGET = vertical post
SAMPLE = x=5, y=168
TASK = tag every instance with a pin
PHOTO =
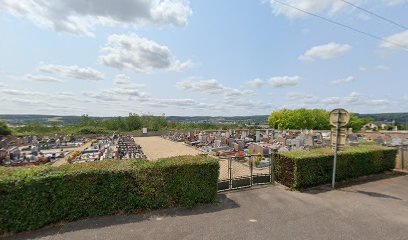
x=230, y=172
x=335, y=149
x=402, y=157
x=251, y=167
x=271, y=168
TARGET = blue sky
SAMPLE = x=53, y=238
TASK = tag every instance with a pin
x=176, y=57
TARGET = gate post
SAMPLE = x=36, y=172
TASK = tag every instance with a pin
x=271, y=168
x=251, y=166
x=402, y=157
x=230, y=172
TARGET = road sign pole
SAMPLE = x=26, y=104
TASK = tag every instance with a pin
x=336, y=146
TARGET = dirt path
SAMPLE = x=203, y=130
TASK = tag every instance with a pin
x=157, y=147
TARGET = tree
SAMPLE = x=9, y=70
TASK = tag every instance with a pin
x=300, y=119
x=310, y=119
x=357, y=123
x=4, y=129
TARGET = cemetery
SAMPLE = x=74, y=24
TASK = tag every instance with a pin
x=33, y=150
x=113, y=147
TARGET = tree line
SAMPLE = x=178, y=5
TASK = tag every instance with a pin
x=131, y=123
x=302, y=118
x=317, y=119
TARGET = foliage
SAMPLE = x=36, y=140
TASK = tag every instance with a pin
x=357, y=123
x=91, y=130
x=317, y=119
x=131, y=123
x=258, y=159
x=300, y=119
x=4, y=129
x=36, y=128
x=301, y=169
x=400, y=118
x=32, y=197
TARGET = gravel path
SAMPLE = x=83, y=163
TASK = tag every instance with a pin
x=157, y=147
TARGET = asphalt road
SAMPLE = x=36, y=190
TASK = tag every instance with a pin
x=372, y=210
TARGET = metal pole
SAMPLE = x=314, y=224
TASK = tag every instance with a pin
x=271, y=168
x=230, y=172
x=335, y=150
x=251, y=167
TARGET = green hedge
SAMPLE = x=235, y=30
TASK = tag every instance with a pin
x=32, y=197
x=307, y=168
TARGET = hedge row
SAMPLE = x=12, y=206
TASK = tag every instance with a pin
x=302, y=169
x=32, y=197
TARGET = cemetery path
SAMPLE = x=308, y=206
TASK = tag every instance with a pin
x=371, y=210
x=156, y=147
x=65, y=159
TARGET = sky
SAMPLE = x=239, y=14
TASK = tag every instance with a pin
x=195, y=58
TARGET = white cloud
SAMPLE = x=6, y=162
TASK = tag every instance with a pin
x=325, y=52
x=348, y=79
x=236, y=93
x=116, y=94
x=396, y=41
x=17, y=92
x=376, y=68
x=284, y=81
x=355, y=99
x=303, y=98
x=256, y=83
x=382, y=68
x=65, y=94
x=378, y=102
x=72, y=71
x=139, y=54
x=212, y=86
x=244, y=104
x=179, y=66
x=315, y=6
x=122, y=79
x=79, y=17
x=186, y=102
x=41, y=78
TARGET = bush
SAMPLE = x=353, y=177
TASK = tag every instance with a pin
x=32, y=197
x=302, y=169
x=4, y=129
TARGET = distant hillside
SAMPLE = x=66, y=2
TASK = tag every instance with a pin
x=260, y=119
x=401, y=118
x=11, y=119
x=17, y=119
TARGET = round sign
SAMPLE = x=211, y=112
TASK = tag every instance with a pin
x=339, y=117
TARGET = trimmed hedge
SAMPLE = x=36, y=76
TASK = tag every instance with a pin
x=32, y=197
x=307, y=168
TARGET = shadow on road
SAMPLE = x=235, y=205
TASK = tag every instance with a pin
x=223, y=203
x=353, y=182
x=379, y=195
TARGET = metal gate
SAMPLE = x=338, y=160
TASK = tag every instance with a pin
x=402, y=157
x=245, y=171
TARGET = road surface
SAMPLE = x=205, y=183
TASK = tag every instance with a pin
x=373, y=210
